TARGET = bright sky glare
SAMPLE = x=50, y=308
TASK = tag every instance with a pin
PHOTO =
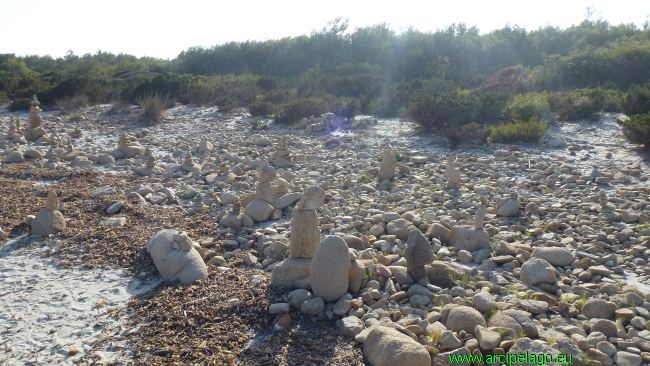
x=162, y=28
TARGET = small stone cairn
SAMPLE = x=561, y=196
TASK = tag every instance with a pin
x=305, y=238
x=49, y=219
x=35, y=131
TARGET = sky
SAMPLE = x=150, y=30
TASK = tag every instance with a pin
x=164, y=28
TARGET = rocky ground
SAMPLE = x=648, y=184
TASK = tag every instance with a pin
x=558, y=263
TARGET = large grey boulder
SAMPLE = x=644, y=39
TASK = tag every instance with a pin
x=599, y=308
x=554, y=255
x=509, y=206
x=399, y=228
x=13, y=157
x=330, y=269
x=470, y=238
x=175, y=257
x=536, y=271
x=386, y=346
x=259, y=210
x=464, y=318
x=290, y=272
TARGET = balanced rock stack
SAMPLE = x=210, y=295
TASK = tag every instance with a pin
x=282, y=158
x=189, y=165
x=463, y=237
x=14, y=134
x=388, y=164
x=35, y=132
x=305, y=238
x=49, y=219
x=127, y=147
x=233, y=219
x=176, y=258
x=261, y=208
x=150, y=167
x=452, y=175
x=205, y=146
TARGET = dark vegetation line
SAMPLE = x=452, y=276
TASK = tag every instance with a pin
x=500, y=86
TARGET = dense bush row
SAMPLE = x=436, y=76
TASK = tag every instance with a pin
x=451, y=80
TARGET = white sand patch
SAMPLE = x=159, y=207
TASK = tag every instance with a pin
x=47, y=311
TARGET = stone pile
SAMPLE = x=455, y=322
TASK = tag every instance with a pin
x=305, y=238
x=49, y=219
x=127, y=147
x=176, y=257
x=282, y=157
x=14, y=133
x=452, y=175
x=35, y=131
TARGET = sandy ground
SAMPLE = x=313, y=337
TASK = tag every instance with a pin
x=53, y=315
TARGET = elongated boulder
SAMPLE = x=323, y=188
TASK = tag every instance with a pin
x=330, y=269
x=305, y=234
x=386, y=346
x=554, y=255
x=175, y=257
x=388, y=164
x=418, y=254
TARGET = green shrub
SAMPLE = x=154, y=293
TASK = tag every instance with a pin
x=298, y=109
x=153, y=107
x=523, y=107
x=472, y=133
x=20, y=104
x=444, y=110
x=637, y=129
x=518, y=131
x=573, y=106
x=637, y=100
x=261, y=109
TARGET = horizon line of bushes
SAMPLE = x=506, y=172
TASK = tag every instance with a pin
x=447, y=81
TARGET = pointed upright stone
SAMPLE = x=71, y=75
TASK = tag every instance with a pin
x=418, y=254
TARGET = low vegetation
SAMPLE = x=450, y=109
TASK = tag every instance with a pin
x=520, y=131
x=637, y=129
x=153, y=107
x=445, y=80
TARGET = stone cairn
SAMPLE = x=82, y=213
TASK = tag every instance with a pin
x=176, y=257
x=14, y=134
x=127, y=147
x=233, y=219
x=205, y=146
x=35, y=131
x=305, y=238
x=189, y=165
x=150, y=167
x=282, y=158
x=261, y=208
x=49, y=219
x=388, y=164
x=452, y=175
